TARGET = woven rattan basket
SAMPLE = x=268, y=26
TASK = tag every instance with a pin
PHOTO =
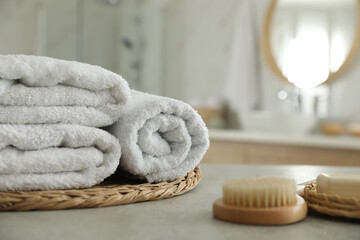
x=332, y=205
x=112, y=192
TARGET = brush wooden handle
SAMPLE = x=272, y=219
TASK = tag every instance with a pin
x=261, y=216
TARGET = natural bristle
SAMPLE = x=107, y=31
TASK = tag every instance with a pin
x=259, y=192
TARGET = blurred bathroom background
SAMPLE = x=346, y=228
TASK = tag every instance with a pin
x=258, y=71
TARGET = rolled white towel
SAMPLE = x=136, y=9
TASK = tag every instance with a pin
x=55, y=156
x=162, y=139
x=36, y=89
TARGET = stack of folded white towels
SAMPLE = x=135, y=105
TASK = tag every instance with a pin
x=51, y=112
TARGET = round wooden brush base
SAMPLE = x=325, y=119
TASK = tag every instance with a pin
x=261, y=216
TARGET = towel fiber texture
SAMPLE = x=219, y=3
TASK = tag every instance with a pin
x=55, y=156
x=162, y=139
x=36, y=89
x=49, y=109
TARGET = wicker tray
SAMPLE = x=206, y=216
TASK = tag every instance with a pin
x=112, y=192
x=332, y=205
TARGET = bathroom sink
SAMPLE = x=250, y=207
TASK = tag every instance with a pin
x=278, y=123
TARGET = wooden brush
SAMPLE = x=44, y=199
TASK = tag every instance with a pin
x=260, y=201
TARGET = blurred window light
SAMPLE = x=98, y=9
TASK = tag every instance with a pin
x=310, y=45
x=282, y=95
x=307, y=56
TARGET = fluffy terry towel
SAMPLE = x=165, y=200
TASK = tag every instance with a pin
x=161, y=138
x=55, y=156
x=35, y=89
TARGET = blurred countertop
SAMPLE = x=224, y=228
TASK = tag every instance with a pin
x=305, y=140
x=187, y=216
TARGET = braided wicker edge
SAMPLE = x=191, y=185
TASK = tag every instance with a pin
x=332, y=205
x=98, y=196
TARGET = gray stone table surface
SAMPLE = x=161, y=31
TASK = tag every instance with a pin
x=184, y=217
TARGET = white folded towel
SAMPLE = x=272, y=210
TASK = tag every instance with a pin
x=162, y=139
x=55, y=156
x=36, y=89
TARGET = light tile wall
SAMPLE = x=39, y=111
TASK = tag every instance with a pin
x=61, y=29
x=17, y=26
x=152, y=47
x=101, y=33
x=197, y=38
x=84, y=30
x=197, y=43
x=185, y=44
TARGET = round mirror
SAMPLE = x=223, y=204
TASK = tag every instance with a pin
x=309, y=42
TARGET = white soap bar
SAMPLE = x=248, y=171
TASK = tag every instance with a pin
x=340, y=184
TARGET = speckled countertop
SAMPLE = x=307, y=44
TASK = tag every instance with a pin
x=188, y=216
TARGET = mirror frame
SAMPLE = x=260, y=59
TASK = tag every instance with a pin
x=269, y=56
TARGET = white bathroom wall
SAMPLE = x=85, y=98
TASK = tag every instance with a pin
x=100, y=29
x=345, y=92
x=196, y=39
x=60, y=36
x=38, y=27
x=17, y=26
x=196, y=43
x=180, y=48
x=83, y=30
x=270, y=84
x=128, y=43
